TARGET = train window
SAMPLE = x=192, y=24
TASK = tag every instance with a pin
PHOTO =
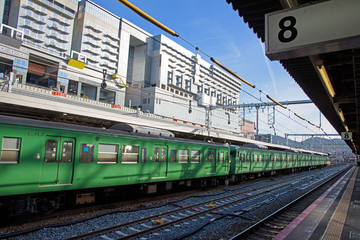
x=255, y=157
x=260, y=157
x=173, y=155
x=163, y=155
x=211, y=156
x=221, y=157
x=144, y=155
x=156, y=154
x=10, y=150
x=130, y=154
x=202, y=156
x=107, y=153
x=195, y=156
x=248, y=157
x=51, y=147
x=86, y=153
x=67, y=151
x=227, y=156
x=272, y=158
x=183, y=156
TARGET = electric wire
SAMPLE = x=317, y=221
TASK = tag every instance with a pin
x=172, y=32
x=139, y=94
x=197, y=49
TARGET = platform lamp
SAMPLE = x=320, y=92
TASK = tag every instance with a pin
x=326, y=80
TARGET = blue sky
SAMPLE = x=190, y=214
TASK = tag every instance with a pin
x=214, y=27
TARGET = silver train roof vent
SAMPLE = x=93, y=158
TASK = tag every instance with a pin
x=142, y=130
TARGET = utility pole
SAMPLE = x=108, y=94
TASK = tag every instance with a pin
x=257, y=107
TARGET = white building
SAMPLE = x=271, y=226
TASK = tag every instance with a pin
x=142, y=71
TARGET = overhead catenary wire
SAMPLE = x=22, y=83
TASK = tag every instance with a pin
x=174, y=33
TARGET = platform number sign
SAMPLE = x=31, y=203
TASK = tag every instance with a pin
x=321, y=27
x=288, y=32
x=346, y=135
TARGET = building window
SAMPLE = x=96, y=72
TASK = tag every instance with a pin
x=188, y=85
x=107, y=153
x=88, y=91
x=179, y=81
x=218, y=98
x=63, y=77
x=207, y=91
x=107, y=96
x=10, y=150
x=73, y=88
x=170, y=77
x=20, y=64
x=130, y=154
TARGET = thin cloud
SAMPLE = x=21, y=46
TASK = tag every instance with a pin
x=271, y=72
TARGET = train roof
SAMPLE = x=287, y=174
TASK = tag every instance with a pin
x=297, y=150
x=80, y=128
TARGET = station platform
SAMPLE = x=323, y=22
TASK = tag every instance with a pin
x=334, y=215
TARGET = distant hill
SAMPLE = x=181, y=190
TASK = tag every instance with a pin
x=338, y=148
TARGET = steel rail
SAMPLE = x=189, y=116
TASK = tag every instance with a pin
x=247, y=230
x=192, y=207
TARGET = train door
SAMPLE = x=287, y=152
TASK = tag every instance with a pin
x=211, y=158
x=160, y=155
x=57, y=167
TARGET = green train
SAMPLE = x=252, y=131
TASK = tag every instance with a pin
x=44, y=165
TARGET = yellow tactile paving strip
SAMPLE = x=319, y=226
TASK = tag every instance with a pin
x=337, y=221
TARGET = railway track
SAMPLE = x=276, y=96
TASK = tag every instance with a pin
x=272, y=224
x=195, y=215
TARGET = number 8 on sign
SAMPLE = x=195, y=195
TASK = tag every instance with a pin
x=290, y=27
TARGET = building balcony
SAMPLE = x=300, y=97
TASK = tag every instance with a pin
x=58, y=7
x=95, y=36
x=92, y=51
x=93, y=59
x=60, y=20
x=108, y=65
x=112, y=58
x=107, y=49
x=92, y=27
x=92, y=43
x=34, y=9
x=111, y=36
x=111, y=43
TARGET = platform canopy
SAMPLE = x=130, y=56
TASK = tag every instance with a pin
x=318, y=43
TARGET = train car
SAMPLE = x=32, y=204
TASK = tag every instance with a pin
x=43, y=163
x=250, y=162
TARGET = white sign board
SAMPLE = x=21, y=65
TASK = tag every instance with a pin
x=346, y=135
x=313, y=29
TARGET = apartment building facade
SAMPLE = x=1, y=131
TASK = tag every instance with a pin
x=123, y=66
